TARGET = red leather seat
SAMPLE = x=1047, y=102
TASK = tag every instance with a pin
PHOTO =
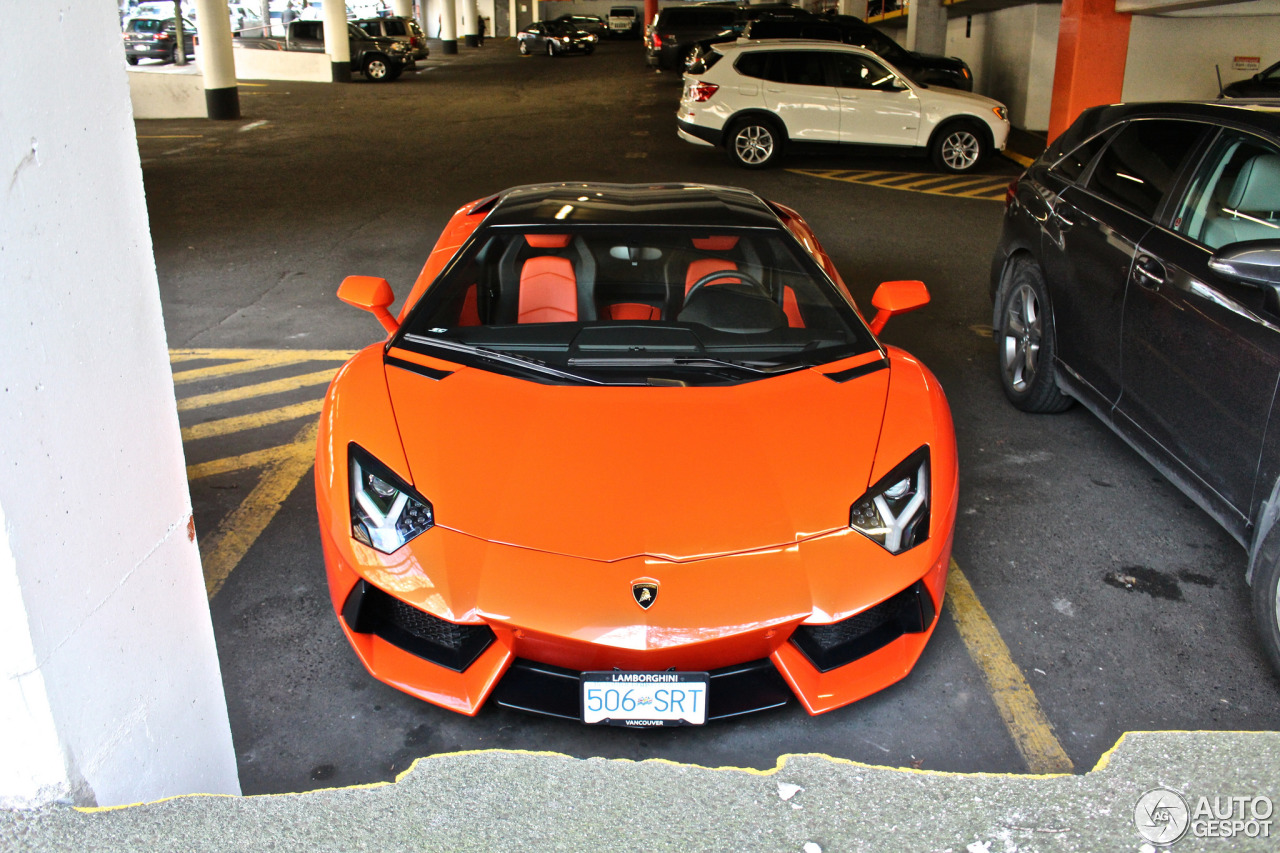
x=706, y=266
x=548, y=286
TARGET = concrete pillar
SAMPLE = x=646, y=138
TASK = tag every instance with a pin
x=217, y=63
x=109, y=685
x=857, y=8
x=471, y=21
x=449, y=25
x=336, y=42
x=403, y=8
x=1093, y=43
x=927, y=26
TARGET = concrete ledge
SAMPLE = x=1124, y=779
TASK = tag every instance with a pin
x=497, y=800
x=255, y=64
x=167, y=92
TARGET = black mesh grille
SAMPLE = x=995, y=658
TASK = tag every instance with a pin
x=830, y=646
x=369, y=610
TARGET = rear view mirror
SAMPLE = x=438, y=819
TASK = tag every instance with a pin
x=372, y=294
x=897, y=297
x=1249, y=262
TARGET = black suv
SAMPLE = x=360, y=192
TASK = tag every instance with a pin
x=1138, y=272
x=929, y=69
x=678, y=28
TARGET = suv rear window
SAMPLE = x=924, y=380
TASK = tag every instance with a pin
x=795, y=67
x=145, y=26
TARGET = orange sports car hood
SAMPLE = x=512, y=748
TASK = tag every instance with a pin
x=607, y=473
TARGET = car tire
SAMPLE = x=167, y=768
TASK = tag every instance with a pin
x=1025, y=340
x=524, y=48
x=377, y=69
x=394, y=74
x=1266, y=602
x=959, y=147
x=551, y=48
x=754, y=143
x=131, y=59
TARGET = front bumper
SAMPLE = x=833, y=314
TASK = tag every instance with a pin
x=755, y=664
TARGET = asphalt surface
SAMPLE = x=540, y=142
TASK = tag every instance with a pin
x=1123, y=606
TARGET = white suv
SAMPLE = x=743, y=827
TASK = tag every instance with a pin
x=757, y=97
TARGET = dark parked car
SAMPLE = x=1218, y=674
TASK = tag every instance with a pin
x=401, y=29
x=593, y=24
x=379, y=58
x=1264, y=84
x=678, y=28
x=555, y=38
x=156, y=38
x=929, y=69
x=1138, y=272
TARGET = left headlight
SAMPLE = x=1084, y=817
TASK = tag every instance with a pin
x=1001, y=113
x=894, y=512
x=385, y=511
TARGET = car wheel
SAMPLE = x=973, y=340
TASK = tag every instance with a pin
x=754, y=143
x=1266, y=606
x=524, y=48
x=551, y=48
x=131, y=59
x=1024, y=336
x=959, y=148
x=376, y=69
x=394, y=73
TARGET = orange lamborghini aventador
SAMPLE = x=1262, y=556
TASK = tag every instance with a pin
x=631, y=455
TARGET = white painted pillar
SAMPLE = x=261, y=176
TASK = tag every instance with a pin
x=217, y=63
x=449, y=25
x=471, y=21
x=857, y=8
x=336, y=42
x=403, y=8
x=927, y=26
x=109, y=685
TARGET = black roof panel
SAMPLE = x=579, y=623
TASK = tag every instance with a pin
x=631, y=204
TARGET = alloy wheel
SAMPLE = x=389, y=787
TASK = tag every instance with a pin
x=960, y=150
x=753, y=144
x=1023, y=332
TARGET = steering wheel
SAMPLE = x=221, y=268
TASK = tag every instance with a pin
x=743, y=277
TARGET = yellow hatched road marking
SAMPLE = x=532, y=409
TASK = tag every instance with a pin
x=983, y=188
x=261, y=389
x=223, y=549
x=221, y=354
x=242, y=423
x=258, y=362
x=243, y=462
x=1030, y=729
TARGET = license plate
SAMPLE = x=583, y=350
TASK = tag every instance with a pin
x=641, y=699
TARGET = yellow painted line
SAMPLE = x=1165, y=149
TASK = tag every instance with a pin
x=222, y=354
x=242, y=83
x=982, y=188
x=261, y=389
x=941, y=182
x=223, y=549
x=243, y=462
x=243, y=423
x=993, y=193
x=248, y=365
x=1030, y=729
x=1022, y=161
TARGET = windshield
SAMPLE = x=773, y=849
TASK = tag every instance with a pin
x=636, y=305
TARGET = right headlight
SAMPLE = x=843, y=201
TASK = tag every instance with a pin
x=894, y=513
x=385, y=511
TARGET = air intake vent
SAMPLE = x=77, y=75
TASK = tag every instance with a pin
x=829, y=646
x=369, y=610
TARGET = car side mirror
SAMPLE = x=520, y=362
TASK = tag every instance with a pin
x=373, y=295
x=1255, y=262
x=897, y=297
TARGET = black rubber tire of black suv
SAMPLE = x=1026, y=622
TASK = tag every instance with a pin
x=131, y=59
x=959, y=147
x=1266, y=605
x=754, y=142
x=1025, y=340
x=371, y=68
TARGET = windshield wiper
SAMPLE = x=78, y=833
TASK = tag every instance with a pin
x=521, y=361
x=760, y=368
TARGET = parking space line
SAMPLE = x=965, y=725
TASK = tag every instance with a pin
x=243, y=462
x=1014, y=699
x=985, y=188
x=241, y=423
x=245, y=392
x=223, y=549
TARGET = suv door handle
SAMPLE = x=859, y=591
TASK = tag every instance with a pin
x=1149, y=272
x=1066, y=221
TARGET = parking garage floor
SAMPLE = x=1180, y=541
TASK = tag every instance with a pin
x=1107, y=600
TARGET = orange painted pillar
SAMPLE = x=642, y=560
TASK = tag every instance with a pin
x=650, y=12
x=1093, y=42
